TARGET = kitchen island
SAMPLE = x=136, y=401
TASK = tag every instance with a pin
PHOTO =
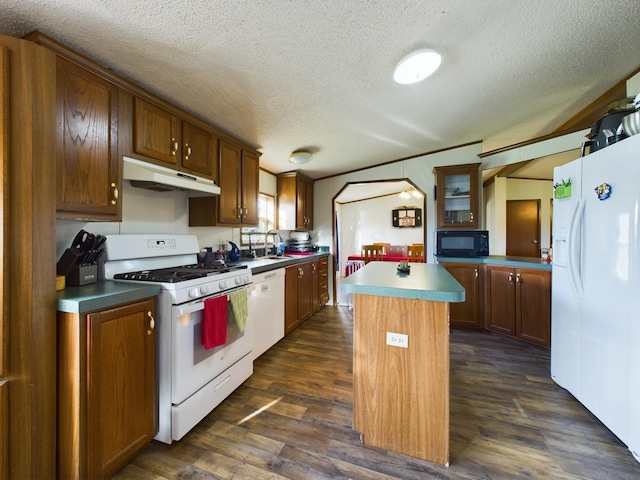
x=401, y=357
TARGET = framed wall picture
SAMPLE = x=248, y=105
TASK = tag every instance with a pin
x=403, y=217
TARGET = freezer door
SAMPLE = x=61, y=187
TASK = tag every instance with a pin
x=610, y=308
x=565, y=318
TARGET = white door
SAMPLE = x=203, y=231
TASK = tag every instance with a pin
x=565, y=319
x=611, y=301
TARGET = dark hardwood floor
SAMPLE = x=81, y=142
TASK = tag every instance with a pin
x=292, y=419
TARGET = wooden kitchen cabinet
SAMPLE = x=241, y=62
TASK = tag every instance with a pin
x=88, y=164
x=323, y=282
x=457, y=196
x=295, y=202
x=518, y=303
x=237, y=204
x=298, y=299
x=158, y=134
x=319, y=283
x=306, y=291
x=107, y=407
x=470, y=313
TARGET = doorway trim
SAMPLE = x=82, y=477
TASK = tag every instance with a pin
x=336, y=267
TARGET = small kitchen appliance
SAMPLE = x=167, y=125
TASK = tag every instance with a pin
x=462, y=243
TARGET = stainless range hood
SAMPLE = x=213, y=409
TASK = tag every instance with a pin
x=161, y=179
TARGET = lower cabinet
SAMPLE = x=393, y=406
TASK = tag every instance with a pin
x=470, y=313
x=106, y=388
x=518, y=303
x=298, y=300
x=306, y=291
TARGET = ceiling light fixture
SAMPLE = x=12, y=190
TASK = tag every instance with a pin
x=300, y=157
x=417, y=66
x=410, y=192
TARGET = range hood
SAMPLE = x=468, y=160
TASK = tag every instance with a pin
x=161, y=179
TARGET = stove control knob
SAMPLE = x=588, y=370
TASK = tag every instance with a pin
x=204, y=289
x=194, y=293
x=222, y=285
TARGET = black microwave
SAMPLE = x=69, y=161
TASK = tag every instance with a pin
x=462, y=243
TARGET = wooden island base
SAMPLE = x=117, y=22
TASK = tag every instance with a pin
x=401, y=395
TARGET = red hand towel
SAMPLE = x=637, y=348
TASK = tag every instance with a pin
x=213, y=331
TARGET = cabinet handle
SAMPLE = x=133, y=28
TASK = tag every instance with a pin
x=237, y=211
x=174, y=147
x=188, y=151
x=476, y=272
x=510, y=277
x=300, y=272
x=114, y=193
x=152, y=323
x=471, y=216
x=518, y=279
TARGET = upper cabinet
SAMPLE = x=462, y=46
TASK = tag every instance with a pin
x=237, y=204
x=457, y=196
x=238, y=200
x=163, y=136
x=88, y=165
x=295, y=202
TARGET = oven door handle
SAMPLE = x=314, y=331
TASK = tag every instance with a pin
x=199, y=304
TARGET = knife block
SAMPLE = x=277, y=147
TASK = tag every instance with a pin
x=79, y=275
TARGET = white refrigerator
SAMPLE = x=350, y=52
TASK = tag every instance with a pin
x=595, y=309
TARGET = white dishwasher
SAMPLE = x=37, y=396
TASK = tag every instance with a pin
x=267, y=305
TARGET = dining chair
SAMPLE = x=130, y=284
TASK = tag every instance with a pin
x=415, y=253
x=371, y=252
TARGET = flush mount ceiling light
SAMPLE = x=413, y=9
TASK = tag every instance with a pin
x=417, y=66
x=300, y=157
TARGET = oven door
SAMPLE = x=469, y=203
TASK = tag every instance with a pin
x=193, y=366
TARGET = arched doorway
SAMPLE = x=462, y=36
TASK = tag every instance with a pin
x=361, y=213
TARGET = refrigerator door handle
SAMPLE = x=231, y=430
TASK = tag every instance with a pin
x=575, y=248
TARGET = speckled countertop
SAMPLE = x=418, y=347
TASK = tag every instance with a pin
x=505, y=260
x=426, y=281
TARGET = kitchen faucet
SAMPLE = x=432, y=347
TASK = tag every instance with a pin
x=266, y=240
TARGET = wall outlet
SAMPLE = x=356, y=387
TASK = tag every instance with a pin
x=398, y=340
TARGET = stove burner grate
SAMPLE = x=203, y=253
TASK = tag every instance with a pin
x=177, y=274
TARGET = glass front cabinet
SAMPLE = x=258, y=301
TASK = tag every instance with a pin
x=457, y=196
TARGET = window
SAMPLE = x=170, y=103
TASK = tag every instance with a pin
x=266, y=221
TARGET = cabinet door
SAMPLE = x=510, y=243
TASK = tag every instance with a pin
x=304, y=203
x=501, y=299
x=199, y=151
x=156, y=133
x=324, y=282
x=121, y=409
x=230, y=174
x=457, y=196
x=88, y=163
x=286, y=203
x=250, y=179
x=533, y=315
x=305, y=291
x=315, y=285
x=466, y=314
x=290, y=299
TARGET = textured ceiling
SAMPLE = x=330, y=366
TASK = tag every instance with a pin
x=283, y=75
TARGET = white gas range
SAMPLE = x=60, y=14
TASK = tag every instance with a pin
x=192, y=380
